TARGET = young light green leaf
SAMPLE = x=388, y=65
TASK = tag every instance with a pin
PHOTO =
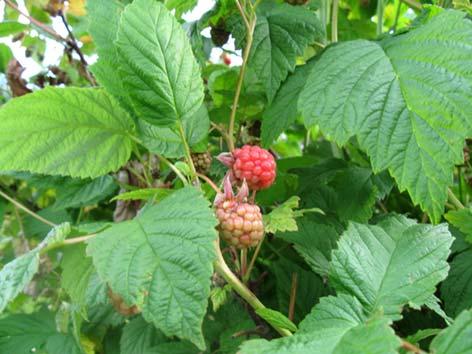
x=5, y=56
x=282, y=218
x=157, y=64
x=462, y=219
x=456, y=338
x=407, y=99
x=219, y=296
x=170, y=279
x=282, y=33
x=275, y=318
x=391, y=264
x=456, y=290
x=336, y=325
x=11, y=27
x=73, y=131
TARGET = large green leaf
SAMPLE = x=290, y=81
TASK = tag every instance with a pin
x=391, y=264
x=139, y=337
x=104, y=18
x=456, y=290
x=157, y=64
x=162, y=262
x=336, y=325
x=73, y=131
x=282, y=33
x=283, y=111
x=456, y=338
x=407, y=99
x=11, y=27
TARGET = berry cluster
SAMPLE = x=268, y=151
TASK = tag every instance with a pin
x=202, y=162
x=241, y=222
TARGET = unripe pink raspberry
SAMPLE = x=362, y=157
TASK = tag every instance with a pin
x=240, y=222
x=253, y=164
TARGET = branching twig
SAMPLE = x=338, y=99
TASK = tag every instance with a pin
x=72, y=42
x=413, y=4
x=253, y=260
x=68, y=242
x=26, y=210
x=210, y=182
x=173, y=168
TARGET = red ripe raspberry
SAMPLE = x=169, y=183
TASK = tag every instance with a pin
x=255, y=165
x=240, y=222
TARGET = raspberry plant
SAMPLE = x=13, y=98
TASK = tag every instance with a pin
x=307, y=191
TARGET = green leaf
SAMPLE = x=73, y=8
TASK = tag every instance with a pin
x=5, y=56
x=391, y=264
x=104, y=19
x=20, y=333
x=336, y=325
x=282, y=218
x=456, y=338
x=282, y=33
x=80, y=193
x=11, y=27
x=170, y=280
x=139, y=337
x=406, y=99
x=18, y=273
x=310, y=288
x=462, y=219
x=76, y=271
x=181, y=6
x=283, y=111
x=456, y=290
x=75, y=132
x=219, y=296
x=61, y=344
x=167, y=141
x=275, y=318
x=314, y=241
x=157, y=64
x=34, y=227
x=157, y=194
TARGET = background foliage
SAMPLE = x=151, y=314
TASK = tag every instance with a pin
x=108, y=241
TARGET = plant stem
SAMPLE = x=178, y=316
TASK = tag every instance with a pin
x=188, y=155
x=210, y=182
x=397, y=15
x=249, y=38
x=243, y=262
x=253, y=261
x=222, y=268
x=293, y=296
x=411, y=347
x=173, y=168
x=26, y=210
x=334, y=21
x=413, y=4
x=453, y=199
x=68, y=242
x=380, y=15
